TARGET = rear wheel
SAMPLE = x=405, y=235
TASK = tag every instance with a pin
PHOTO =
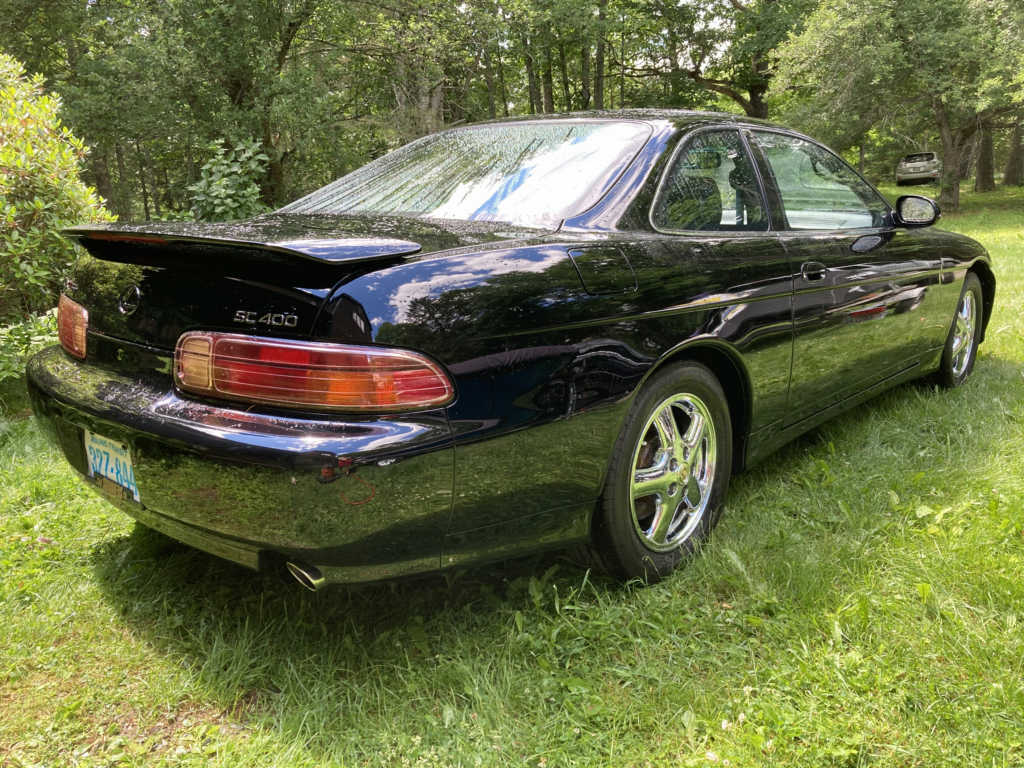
x=962, y=344
x=668, y=474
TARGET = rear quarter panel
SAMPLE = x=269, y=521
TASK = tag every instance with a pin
x=545, y=369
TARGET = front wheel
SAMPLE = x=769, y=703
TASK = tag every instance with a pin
x=668, y=474
x=964, y=336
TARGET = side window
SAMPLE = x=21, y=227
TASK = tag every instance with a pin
x=818, y=190
x=711, y=187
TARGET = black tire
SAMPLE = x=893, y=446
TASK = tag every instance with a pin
x=646, y=536
x=958, y=361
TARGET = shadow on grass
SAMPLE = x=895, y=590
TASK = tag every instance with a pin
x=265, y=648
x=14, y=402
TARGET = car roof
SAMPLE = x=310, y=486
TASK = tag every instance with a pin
x=680, y=117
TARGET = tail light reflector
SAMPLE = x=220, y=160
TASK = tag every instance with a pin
x=308, y=373
x=72, y=322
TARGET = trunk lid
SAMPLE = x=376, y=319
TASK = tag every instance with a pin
x=266, y=276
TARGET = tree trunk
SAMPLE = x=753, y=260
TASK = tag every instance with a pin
x=489, y=79
x=985, y=180
x=564, y=72
x=547, y=80
x=502, y=90
x=272, y=187
x=122, y=200
x=154, y=187
x=142, y=181
x=622, y=67
x=1014, y=173
x=968, y=153
x=949, y=185
x=599, y=57
x=675, y=75
x=431, y=101
x=585, y=76
x=100, y=168
x=756, y=106
x=860, y=158
x=148, y=171
x=531, y=77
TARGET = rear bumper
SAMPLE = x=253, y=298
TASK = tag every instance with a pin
x=362, y=499
x=932, y=175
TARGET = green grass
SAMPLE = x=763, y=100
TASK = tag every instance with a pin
x=862, y=603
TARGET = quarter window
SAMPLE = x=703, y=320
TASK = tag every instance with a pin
x=818, y=190
x=712, y=186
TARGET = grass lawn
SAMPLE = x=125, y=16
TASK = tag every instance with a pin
x=862, y=603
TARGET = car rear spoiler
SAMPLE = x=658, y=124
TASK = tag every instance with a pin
x=315, y=256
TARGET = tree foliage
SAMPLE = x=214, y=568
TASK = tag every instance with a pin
x=325, y=86
x=228, y=186
x=951, y=65
x=40, y=192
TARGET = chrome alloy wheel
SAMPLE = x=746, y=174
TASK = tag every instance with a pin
x=673, y=470
x=963, y=333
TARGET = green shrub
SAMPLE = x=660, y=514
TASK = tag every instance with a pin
x=227, y=187
x=40, y=192
x=19, y=340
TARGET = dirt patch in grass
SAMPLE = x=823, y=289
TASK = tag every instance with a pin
x=47, y=718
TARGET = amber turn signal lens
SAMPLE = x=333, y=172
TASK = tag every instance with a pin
x=193, y=362
x=342, y=377
x=72, y=323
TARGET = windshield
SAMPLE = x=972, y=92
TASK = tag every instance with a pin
x=919, y=158
x=531, y=173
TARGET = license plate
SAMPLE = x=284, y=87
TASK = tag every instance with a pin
x=110, y=464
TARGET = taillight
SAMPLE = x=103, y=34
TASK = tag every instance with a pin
x=72, y=322
x=308, y=373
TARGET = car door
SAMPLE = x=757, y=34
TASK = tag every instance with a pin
x=725, y=265
x=863, y=308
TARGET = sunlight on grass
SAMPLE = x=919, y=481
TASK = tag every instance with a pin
x=861, y=603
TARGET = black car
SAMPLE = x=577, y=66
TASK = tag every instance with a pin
x=500, y=338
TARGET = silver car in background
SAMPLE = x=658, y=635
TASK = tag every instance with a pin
x=918, y=168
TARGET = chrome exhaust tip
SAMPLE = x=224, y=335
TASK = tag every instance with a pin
x=308, y=576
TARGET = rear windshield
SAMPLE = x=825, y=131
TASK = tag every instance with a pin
x=920, y=157
x=533, y=173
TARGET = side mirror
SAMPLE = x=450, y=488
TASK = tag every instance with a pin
x=916, y=211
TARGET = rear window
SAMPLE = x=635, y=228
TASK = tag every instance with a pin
x=531, y=173
x=920, y=157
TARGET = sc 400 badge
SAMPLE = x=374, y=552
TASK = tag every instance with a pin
x=276, y=319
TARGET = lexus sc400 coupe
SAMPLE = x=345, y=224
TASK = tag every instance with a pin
x=500, y=338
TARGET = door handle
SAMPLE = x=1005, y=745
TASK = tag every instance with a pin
x=813, y=270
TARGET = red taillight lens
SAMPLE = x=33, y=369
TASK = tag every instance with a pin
x=72, y=322
x=308, y=373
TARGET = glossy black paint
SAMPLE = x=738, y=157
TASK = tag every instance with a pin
x=547, y=337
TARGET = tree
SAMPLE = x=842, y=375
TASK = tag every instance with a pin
x=1014, y=173
x=723, y=46
x=40, y=192
x=954, y=62
x=984, y=178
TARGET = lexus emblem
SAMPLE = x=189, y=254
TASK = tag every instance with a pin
x=129, y=301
